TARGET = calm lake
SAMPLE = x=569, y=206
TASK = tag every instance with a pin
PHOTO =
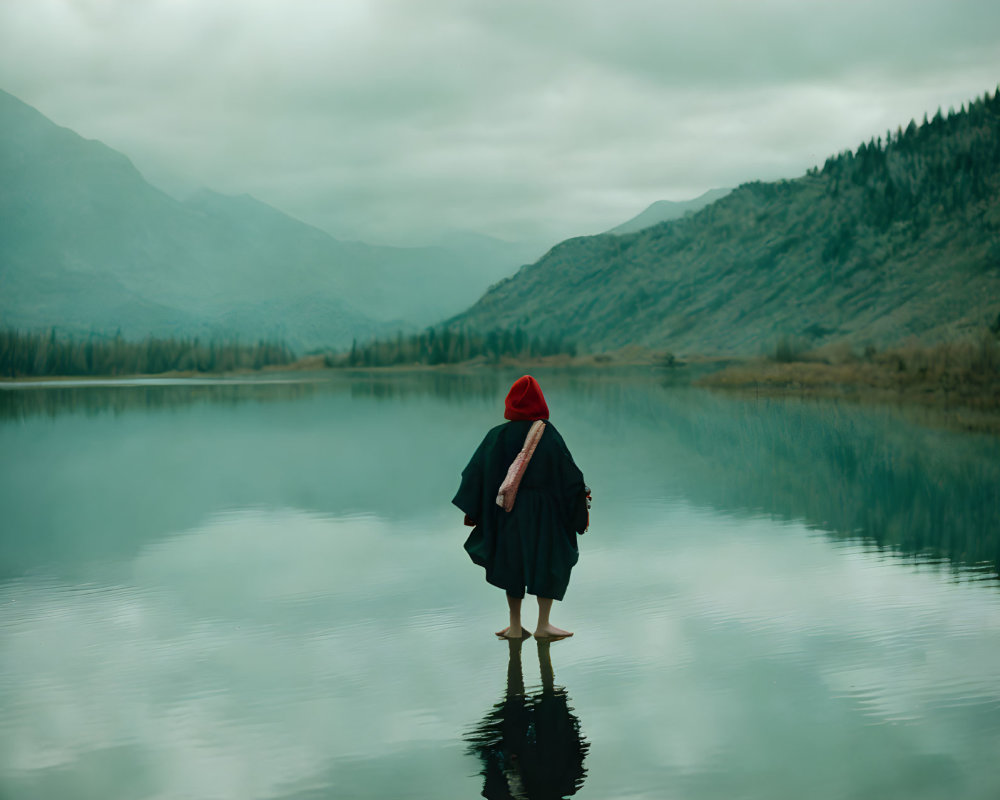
x=259, y=590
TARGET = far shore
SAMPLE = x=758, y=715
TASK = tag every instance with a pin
x=949, y=394
x=628, y=357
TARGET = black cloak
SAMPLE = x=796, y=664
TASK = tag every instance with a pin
x=533, y=546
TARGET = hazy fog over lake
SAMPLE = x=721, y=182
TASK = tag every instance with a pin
x=394, y=122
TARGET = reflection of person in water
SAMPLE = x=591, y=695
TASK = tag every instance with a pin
x=530, y=745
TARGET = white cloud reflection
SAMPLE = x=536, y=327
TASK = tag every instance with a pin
x=274, y=650
x=242, y=659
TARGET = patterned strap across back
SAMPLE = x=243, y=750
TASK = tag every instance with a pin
x=508, y=489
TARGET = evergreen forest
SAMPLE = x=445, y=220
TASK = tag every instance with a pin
x=40, y=354
x=447, y=346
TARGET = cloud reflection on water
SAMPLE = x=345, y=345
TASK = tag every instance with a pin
x=268, y=651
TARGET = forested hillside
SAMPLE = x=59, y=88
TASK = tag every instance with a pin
x=898, y=238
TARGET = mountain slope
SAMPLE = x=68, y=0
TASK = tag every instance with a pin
x=894, y=240
x=398, y=285
x=666, y=210
x=87, y=244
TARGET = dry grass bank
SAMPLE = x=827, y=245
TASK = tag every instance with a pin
x=959, y=379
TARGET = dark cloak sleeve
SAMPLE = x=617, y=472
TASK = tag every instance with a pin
x=470, y=493
x=534, y=545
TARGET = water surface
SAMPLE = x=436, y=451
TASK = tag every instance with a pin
x=259, y=591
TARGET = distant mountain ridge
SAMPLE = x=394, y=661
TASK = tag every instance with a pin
x=893, y=240
x=86, y=244
x=666, y=210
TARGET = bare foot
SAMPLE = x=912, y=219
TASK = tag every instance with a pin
x=551, y=632
x=519, y=633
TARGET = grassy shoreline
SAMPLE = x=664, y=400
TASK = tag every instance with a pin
x=958, y=382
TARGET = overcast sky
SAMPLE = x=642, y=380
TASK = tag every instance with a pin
x=389, y=121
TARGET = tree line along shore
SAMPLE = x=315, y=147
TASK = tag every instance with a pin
x=964, y=373
x=49, y=354
x=38, y=355
x=436, y=346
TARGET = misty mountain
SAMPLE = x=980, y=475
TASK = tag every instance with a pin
x=495, y=256
x=898, y=239
x=666, y=210
x=86, y=244
x=394, y=286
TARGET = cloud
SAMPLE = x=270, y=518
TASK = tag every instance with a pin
x=272, y=650
x=199, y=680
x=382, y=119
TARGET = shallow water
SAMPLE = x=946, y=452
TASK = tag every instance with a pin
x=256, y=591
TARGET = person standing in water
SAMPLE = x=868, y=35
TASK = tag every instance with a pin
x=532, y=546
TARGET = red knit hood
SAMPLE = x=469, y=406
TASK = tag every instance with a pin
x=525, y=400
